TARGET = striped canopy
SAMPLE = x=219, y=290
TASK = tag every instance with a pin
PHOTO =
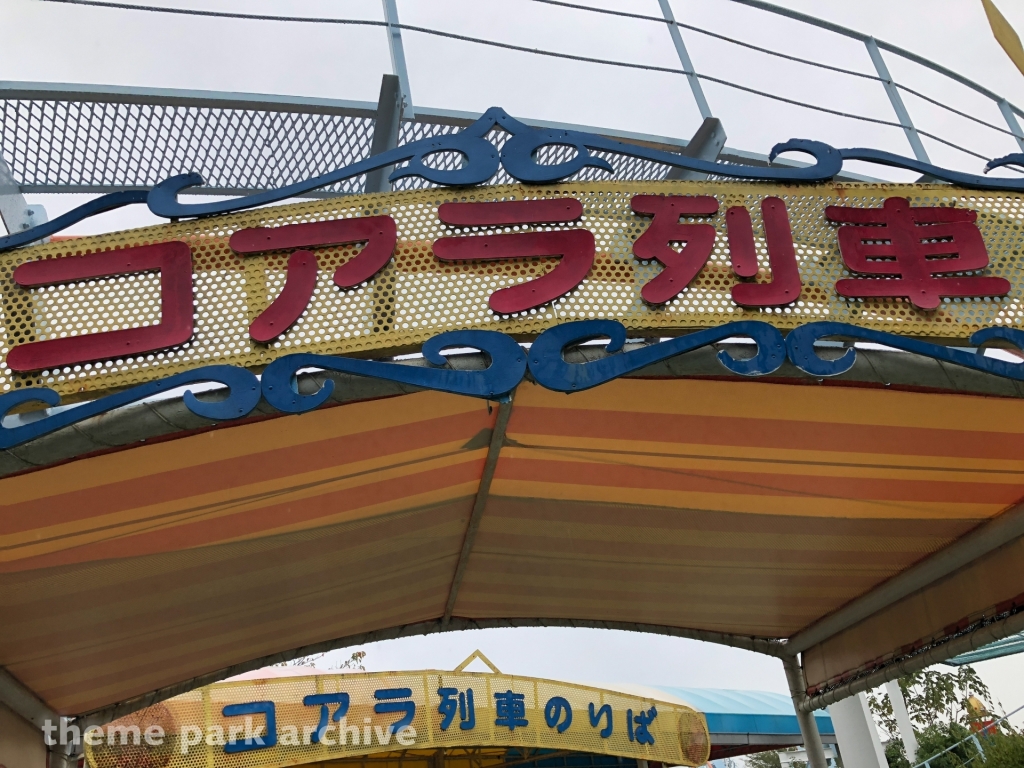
x=743, y=510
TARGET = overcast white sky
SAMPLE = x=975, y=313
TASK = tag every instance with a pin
x=60, y=43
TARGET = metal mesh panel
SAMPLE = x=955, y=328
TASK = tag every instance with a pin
x=82, y=146
x=416, y=296
x=88, y=144
x=624, y=167
x=680, y=733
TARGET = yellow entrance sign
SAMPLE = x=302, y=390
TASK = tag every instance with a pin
x=284, y=721
x=737, y=236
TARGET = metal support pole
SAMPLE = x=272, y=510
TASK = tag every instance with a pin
x=707, y=144
x=684, y=59
x=808, y=727
x=1011, y=121
x=857, y=734
x=896, y=100
x=398, y=56
x=13, y=208
x=385, y=131
x=899, y=710
x=16, y=214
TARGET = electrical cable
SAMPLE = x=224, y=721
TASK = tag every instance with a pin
x=716, y=35
x=768, y=51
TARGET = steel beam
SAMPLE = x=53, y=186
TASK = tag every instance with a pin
x=684, y=59
x=479, y=504
x=25, y=703
x=707, y=144
x=1011, y=121
x=13, y=209
x=915, y=663
x=896, y=100
x=398, y=67
x=14, y=90
x=804, y=718
x=385, y=131
x=984, y=539
x=456, y=624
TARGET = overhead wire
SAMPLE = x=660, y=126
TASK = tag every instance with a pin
x=716, y=35
x=777, y=54
x=550, y=54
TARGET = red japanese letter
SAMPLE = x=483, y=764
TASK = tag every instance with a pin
x=908, y=247
x=785, y=285
x=655, y=243
x=575, y=246
x=174, y=263
x=380, y=235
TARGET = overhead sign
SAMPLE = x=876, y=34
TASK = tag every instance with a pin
x=386, y=273
x=294, y=720
x=322, y=283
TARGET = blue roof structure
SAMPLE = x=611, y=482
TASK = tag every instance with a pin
x=757, y=713
x=1008, y=646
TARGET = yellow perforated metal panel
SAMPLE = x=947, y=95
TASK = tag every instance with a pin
x=416, y=296
x=680, y=733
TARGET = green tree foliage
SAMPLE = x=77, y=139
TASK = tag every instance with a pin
x=764, y=760
x=1004, y=750
x=771, y=760
x=355, y=661
x=938, y=706
x=896, y=754
x=932, y=697
x=941, y=736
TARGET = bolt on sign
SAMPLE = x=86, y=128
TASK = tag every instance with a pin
x=286, y=721
x=380, y=274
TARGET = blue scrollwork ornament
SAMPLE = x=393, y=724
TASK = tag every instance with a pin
x=506, y=370
x=550, y=369
x=242, y=396
x=800, y=349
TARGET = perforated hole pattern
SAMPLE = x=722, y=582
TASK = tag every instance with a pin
x=680, y=733
x=416, y=296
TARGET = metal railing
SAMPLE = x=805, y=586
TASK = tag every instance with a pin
x=972, y=738
x=59, y=138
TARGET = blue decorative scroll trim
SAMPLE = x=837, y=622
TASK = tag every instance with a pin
x=800, y=349
x=102, y=204
x=519, y=157
x=243, y=395
x=550, y=370
x=506, y=370
x=508, y=363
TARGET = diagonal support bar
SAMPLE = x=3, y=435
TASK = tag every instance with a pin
x=24, y=702
x=896, y=100
x=491, y=463
x=1011, y=122
x=965, y=550
x=398, y=67
x=385, y=131
x=684, y=59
